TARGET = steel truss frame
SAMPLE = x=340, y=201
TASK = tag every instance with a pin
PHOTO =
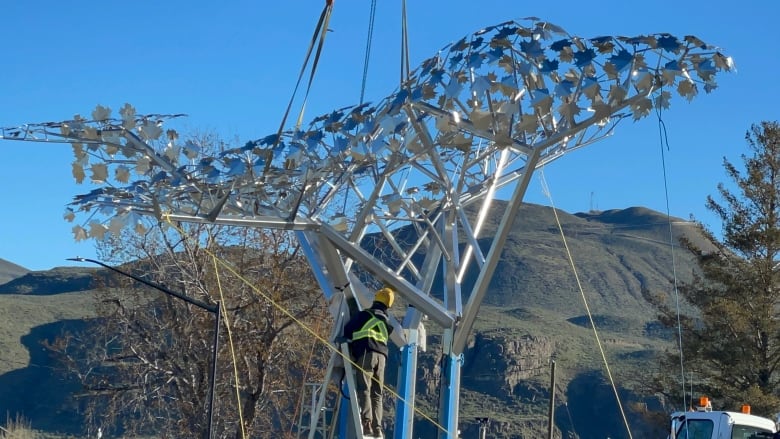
x=399, y=190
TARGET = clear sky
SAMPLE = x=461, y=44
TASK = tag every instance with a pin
x=232, y=65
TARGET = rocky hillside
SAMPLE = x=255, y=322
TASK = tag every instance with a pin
x=534, y=312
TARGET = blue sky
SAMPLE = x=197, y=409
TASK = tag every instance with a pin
x=232, y=65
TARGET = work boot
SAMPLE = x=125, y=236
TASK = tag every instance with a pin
x=367, y=429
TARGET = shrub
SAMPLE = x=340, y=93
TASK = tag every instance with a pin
x=17, y=428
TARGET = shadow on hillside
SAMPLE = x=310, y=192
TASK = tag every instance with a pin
x=593, y=412
x=41, y=392
x=55, y=281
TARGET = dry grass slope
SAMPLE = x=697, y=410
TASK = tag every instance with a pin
x=19, y=314
x=10, y=271
x=17, y=428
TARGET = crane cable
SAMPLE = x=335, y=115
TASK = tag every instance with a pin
x=664, y=141
x=546, y=191
x=319, y=33
x=405, y=69
x=369, y=40
x=166, y=217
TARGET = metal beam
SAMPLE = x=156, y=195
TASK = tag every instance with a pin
x=407, y=370
x=407, y=374
x=268, y=222
x=494, y=255
x=425, y=304
x=450, y=397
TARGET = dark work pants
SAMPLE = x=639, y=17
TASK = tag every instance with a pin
x=370, y=381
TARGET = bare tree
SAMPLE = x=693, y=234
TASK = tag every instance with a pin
x=145, y=363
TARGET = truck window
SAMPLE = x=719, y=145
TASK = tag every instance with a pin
x=747, y=432
x=696, y=429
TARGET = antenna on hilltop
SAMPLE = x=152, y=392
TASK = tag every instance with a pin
x=593, y=206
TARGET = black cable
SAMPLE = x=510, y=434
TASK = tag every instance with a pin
x=664, y=138
x=341, y=384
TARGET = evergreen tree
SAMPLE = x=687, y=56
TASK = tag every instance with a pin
x=729, y=320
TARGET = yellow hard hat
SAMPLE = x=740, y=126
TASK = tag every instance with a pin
x=385, y=295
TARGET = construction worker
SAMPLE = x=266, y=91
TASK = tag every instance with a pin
x=368, y=332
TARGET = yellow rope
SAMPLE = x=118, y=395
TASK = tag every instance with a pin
x=546, y=190
x=230, y=341
x=228, y=267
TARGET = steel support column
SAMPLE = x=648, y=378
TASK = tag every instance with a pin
x=344, y=414
x=450, y=397
x=407, y=376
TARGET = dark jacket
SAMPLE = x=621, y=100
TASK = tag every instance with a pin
x=359, y=347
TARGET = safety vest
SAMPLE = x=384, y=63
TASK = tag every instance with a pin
x=374, y=328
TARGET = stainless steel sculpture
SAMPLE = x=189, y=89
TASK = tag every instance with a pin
x=415, y=173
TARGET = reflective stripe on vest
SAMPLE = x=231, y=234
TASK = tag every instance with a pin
x=374, y=328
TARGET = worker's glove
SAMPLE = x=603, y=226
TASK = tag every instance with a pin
x=341, y=339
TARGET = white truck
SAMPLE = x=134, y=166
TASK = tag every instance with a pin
x=704, y=423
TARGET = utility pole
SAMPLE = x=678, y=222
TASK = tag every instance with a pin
x=551, y=414
x=214, y=309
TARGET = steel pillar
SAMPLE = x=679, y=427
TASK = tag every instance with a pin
x=344, y=415
x=407, y=376
x=450, y=392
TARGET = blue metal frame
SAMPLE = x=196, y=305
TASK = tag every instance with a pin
x=448, y=412
x=407, y=377
x=344, y=415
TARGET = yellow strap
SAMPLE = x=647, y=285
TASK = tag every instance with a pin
x=226, y=319
x=546, y=190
